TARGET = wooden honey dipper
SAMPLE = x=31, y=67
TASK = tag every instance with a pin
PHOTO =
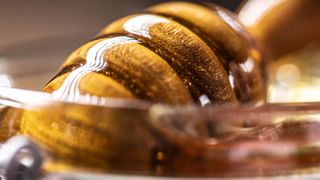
x=174, y=53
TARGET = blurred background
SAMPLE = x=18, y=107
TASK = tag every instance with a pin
x=36, y=32
x=34, y=19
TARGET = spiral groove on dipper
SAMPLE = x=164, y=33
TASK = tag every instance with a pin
x=174, y=53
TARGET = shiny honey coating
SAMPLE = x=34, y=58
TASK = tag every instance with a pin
x=174, y=53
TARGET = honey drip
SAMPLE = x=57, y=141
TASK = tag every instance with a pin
x=95, y=62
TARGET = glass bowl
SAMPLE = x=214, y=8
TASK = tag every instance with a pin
x=154, y=141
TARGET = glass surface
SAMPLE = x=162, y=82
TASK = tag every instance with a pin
x=271, y=140
x=116, y=138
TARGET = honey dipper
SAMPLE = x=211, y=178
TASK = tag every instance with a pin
x=174, y=53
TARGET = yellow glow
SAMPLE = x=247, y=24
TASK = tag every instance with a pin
x=160, y=156
x=295, y=77
x=288, y=74
x=301, y=93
